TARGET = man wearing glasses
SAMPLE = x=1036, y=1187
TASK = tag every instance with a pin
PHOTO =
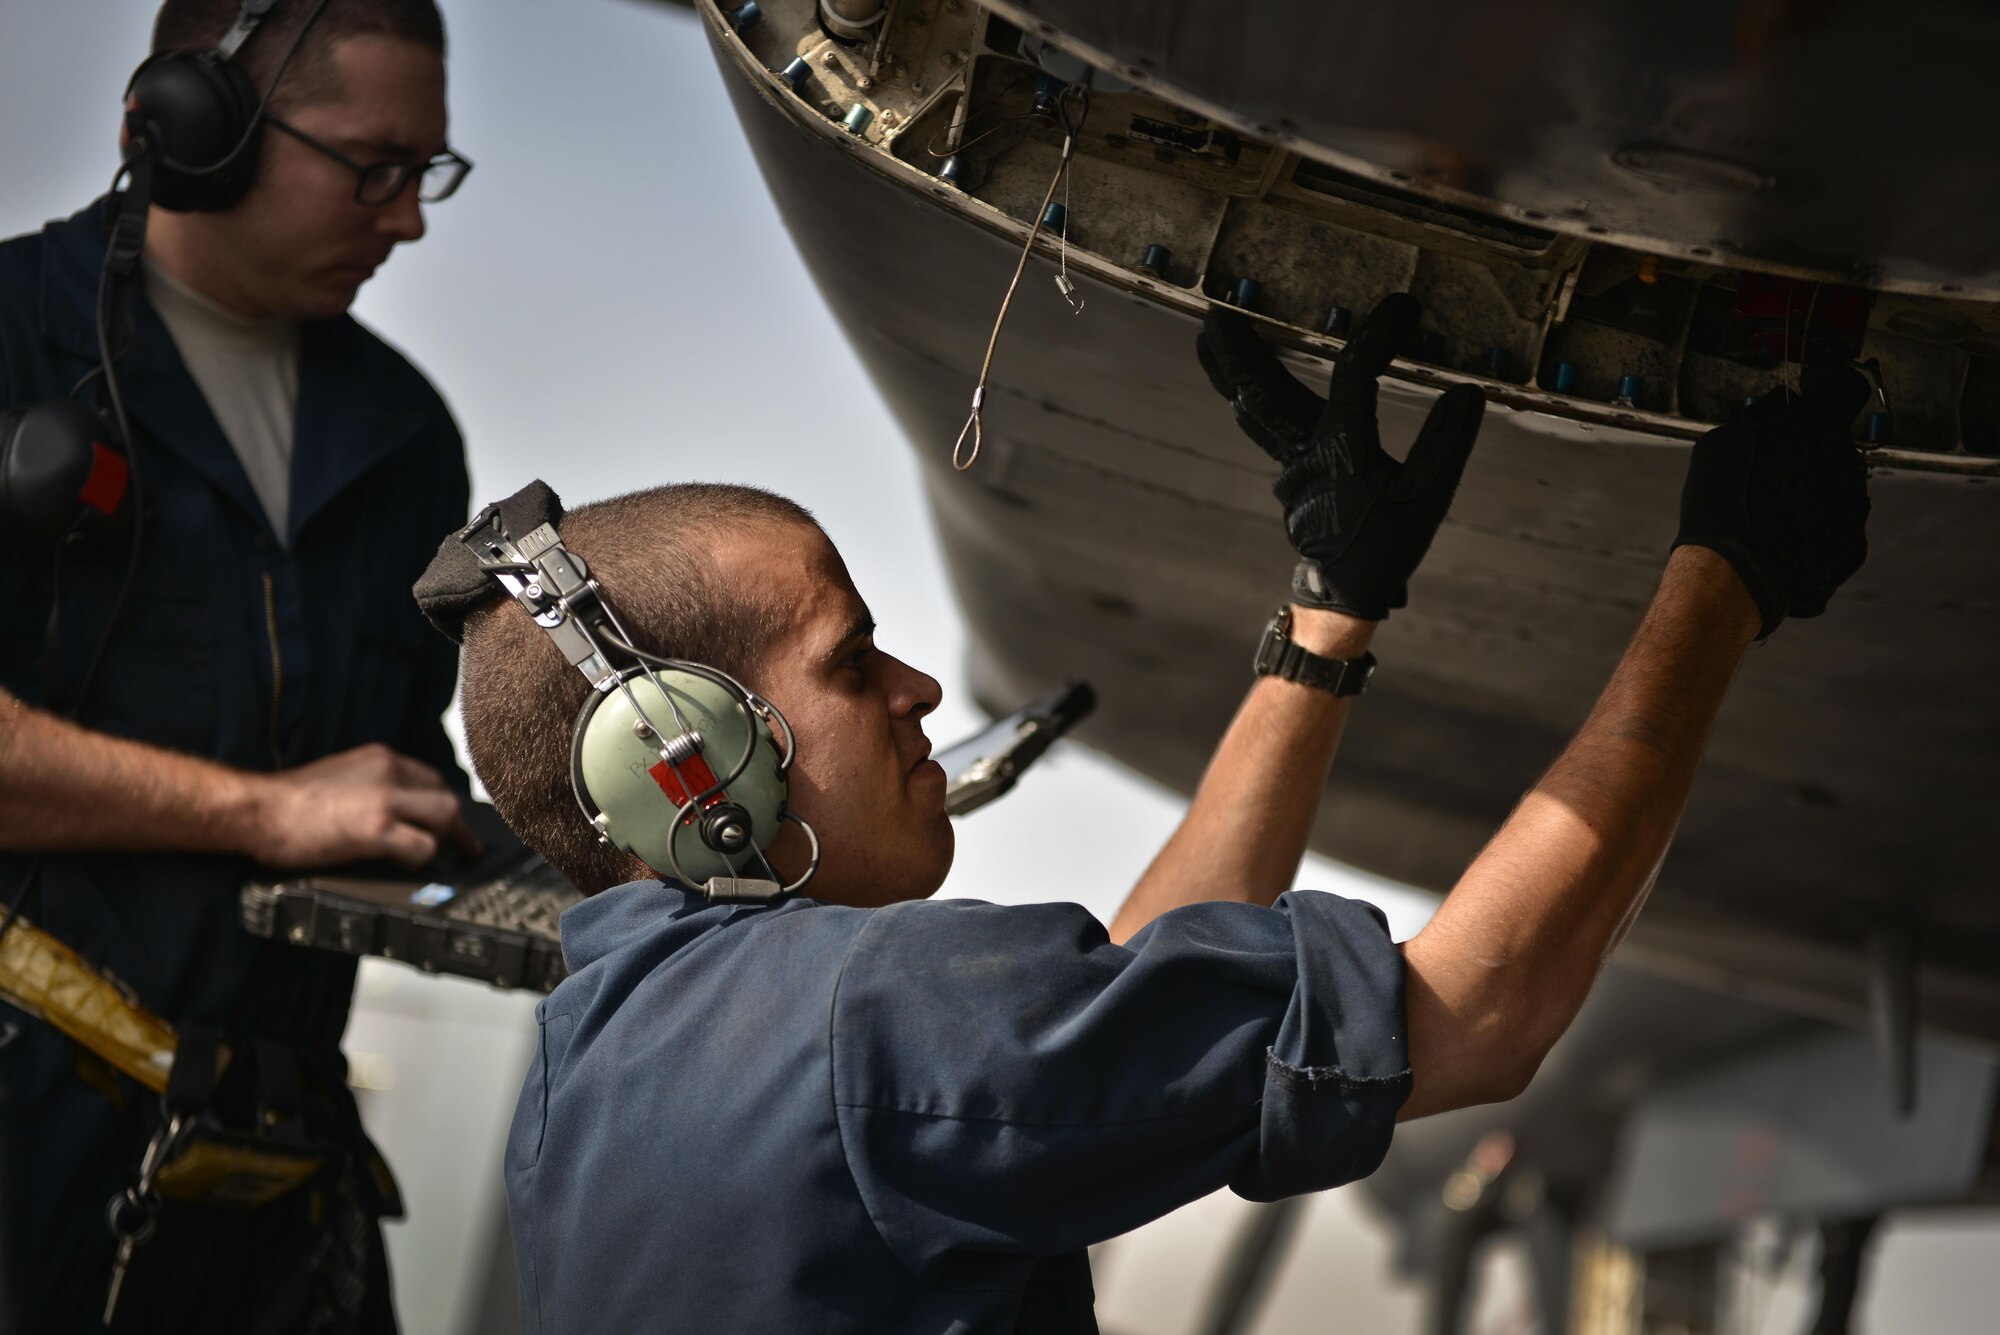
x=266, y=694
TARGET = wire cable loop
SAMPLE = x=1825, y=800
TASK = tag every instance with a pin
x=974, y=422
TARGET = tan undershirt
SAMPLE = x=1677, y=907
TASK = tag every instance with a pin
x=248, y=370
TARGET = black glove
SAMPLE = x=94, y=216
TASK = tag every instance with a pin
x=1361, y=520
x=1782, y=493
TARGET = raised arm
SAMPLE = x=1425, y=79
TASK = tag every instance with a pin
x=1361, y=522
x=1247, y=827
x=1772, y=522
x=67, y=788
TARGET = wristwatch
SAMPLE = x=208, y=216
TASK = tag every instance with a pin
x=1278, y=655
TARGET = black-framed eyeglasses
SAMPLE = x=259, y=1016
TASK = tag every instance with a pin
x=382, y=182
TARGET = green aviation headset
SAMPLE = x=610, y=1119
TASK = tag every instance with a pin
x=641, y=747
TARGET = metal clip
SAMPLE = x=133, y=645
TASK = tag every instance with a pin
x=134, y=1213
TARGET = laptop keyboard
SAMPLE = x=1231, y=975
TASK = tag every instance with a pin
x=530, y=902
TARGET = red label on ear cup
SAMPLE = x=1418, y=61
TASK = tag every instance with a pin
x=104, y=489
x=698, y=773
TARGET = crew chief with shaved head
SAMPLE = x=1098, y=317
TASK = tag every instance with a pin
x=856, y=1109
x=266, y=695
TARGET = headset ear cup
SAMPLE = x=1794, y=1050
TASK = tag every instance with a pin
x=62, y=474
x=632, y=794
x=196, y=110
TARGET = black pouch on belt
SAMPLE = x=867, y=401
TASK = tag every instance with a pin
x=248, y=1140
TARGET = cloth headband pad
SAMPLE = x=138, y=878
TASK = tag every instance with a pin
x=453, y=586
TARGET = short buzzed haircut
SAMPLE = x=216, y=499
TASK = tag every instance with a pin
x=197, y=25
x=650, y=552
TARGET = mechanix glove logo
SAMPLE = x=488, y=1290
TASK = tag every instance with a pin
x=1361, y=516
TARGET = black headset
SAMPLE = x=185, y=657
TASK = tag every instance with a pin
x=193, y=129
x=641, y=745
x=63, y=474
x=204, y=117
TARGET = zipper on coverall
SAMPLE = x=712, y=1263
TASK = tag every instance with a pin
x=277, y=665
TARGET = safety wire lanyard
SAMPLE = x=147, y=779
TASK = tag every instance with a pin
x=974, y=427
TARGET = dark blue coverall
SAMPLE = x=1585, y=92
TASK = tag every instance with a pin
x=246, y=650
x=815, y=1119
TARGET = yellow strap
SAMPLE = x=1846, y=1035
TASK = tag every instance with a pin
x=47, y=979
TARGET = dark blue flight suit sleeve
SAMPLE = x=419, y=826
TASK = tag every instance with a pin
x=1007, y=1080
x=13, y=331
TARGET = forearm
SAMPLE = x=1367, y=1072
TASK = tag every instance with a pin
x=1248, y=825
x=64, y=787
x=1504, y=965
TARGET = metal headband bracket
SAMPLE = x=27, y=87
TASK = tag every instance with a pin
x=247, y=19
x=553, y=584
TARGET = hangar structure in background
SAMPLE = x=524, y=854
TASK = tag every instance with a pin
x=1622, y=220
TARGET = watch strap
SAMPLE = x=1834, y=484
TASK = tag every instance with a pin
x=1278, y=655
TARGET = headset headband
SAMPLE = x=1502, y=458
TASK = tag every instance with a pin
x=247, y=19
x=555, y=586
